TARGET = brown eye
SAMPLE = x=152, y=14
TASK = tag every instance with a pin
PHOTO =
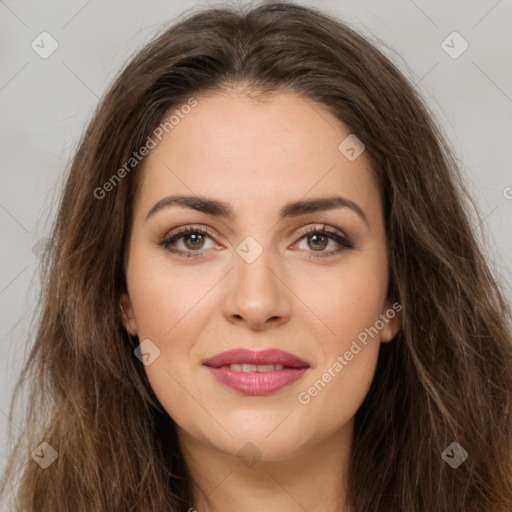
x=192, y=241
x=317, y=240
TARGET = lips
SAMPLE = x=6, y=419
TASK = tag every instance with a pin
x=256, y=373
x=262, y=357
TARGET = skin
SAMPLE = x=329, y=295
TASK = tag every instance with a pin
x=257, y=156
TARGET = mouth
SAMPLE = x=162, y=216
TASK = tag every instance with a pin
x=256, y=373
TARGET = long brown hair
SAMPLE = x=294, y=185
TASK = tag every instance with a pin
x=447, y=376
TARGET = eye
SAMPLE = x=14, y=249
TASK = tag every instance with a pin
x=318, y=240
x=192, y=241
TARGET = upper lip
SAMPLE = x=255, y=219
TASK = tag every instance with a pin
x=246, y=356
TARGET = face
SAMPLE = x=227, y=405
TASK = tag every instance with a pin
x=295, y=292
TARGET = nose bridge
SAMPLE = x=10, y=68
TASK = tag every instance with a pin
x=258, y=292
x=254, y=266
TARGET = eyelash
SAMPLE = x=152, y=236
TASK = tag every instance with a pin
x=344, y=242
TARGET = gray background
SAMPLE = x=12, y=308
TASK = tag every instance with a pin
x=46, y=103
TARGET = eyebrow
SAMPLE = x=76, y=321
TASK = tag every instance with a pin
x=293, y=209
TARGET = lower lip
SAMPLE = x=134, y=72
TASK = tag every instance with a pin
x=257, y=383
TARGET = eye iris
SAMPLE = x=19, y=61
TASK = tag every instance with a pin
x=315, y=237
x=197, y=238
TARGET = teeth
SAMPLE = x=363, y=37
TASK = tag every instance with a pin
x=255, y=367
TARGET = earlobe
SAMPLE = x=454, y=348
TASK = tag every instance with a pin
x=128, y=317
x=392, y=318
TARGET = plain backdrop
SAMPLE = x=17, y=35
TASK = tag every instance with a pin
x=45, y=104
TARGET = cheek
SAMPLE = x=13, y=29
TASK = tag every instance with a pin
x=164, y=295
x=350, y=307
x=346, y=298
x=172, y=308
x=348, y=354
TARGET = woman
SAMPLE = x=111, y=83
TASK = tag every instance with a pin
x=264, y=292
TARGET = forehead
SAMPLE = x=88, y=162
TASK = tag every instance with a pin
x=252, y=152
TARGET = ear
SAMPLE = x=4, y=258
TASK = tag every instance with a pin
x=128, y=316
x=392, y=318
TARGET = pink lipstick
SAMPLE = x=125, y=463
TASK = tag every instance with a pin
x=256, y=373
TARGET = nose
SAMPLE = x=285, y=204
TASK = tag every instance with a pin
x=258, y=294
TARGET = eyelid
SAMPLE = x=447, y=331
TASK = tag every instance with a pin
x=324, y=228
x=191, y=227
